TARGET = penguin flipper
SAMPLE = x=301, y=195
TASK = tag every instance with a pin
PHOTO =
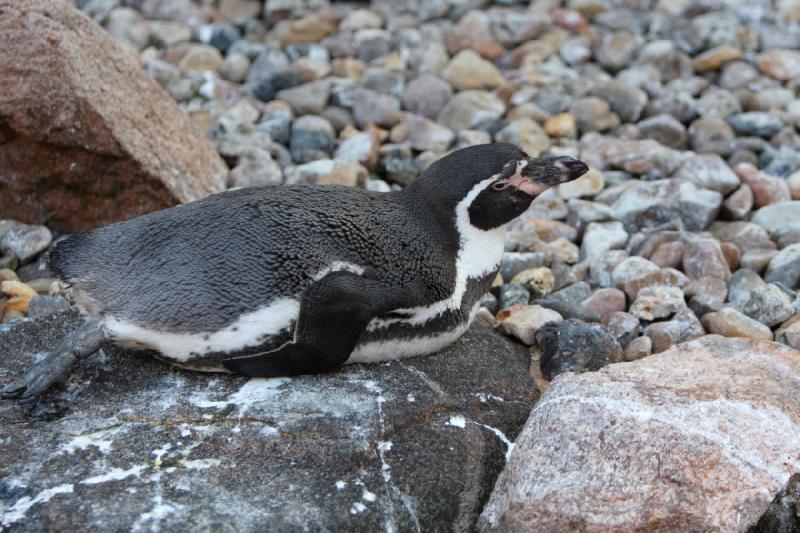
x=58, y=364
x=334, y=312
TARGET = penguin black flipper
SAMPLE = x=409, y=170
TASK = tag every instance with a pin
x=334, y=312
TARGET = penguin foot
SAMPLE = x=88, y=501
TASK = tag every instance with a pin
x=57, y=365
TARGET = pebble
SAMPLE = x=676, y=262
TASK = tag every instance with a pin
x=427, y=95
x=370, y=107
x=234, y=67
x=601, y=237
x=778, y=216
x=526, y=134
x=511, y=294
x=199, y=58
x=471, y=109
x=631, y=269
x=638, y=348
x=362, y=147
x=561, y=125
x=759, y=300
x=663, y=335
x=706, y=295
x=593, y=114
x=589, y=184
x=715, y=58
x=538, y=281
x=709, y=171
x=704, y=257
x=785, y=267
x=309, y=98
x=731, y=323
x=658, y=301
x=755, y=123
x=669, y=254
x=523, y=321
x=789, y=332
x=256, y=169
x=423, y=134
x=575, y=346
x=312, y=138
x=780, y=64
x=616, y=50
x=757, y=259
x=626, y=101
x=468, y=70
x=711, y=135
x=25, y=241
x=513, y=263
x=605, y=302
x=624, y=326
x=665, y=129
x=739, y=204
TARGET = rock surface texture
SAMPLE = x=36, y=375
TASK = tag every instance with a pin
x=132, y=444
x=698, y=438
x=86, y=136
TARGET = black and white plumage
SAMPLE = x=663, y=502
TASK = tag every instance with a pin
x=288, y=280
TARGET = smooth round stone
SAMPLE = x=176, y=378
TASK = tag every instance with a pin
x=471, y=109
x=234, y=67
x=658, y=301
x=522, y=321
x=755, y=123
x=371, y=107
x=593, y=114
x=704, y=257
x=312, y=138
x=513, y=293
x=638, y=348
x=665, y=129
x=538, y=281
x=526, y=134
x=26, y=241
x=624, y=326
x=605, y=302
x=712, y=135
x=468, y=70
x=739, y=204
x=309, y=98
x=731, y=323
x=626, y=101
x=668, y=254
x=706, y=295
x=256, y=169
x=575, y=346
x=427, y=95
x=663, y=335
x=757, y=259
x=601, y=237
x=201, y=58
x=761, y=301
x=785, y=267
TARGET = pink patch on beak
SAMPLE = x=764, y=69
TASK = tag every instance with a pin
x=520, y=182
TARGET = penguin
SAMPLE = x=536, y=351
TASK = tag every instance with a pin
x=288, y=280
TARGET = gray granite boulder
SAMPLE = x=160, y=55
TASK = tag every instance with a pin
x=130, y=443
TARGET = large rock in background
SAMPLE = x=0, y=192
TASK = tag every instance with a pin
x=131, y=443
x=86, y=137
x=700, y=437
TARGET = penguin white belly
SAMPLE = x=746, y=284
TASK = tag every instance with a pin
x=248, y=330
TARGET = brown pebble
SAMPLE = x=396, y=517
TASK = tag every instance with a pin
x=669, y=254
x=732, y=254
x=638, y=348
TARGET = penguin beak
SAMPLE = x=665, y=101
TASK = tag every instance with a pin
x=535, y=175
x=554, y=170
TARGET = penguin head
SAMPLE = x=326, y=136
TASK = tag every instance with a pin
x=494, y=182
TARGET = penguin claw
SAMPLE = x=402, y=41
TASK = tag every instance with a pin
x=37, y=380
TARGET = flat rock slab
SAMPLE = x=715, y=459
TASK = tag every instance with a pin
x=700, y=437
x=86, y=136
x=130, y=443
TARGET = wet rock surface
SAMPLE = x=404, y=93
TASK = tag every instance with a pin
x=131, y=443
x=702, y=436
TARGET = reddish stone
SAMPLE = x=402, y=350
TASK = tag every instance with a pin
x=86, y=136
